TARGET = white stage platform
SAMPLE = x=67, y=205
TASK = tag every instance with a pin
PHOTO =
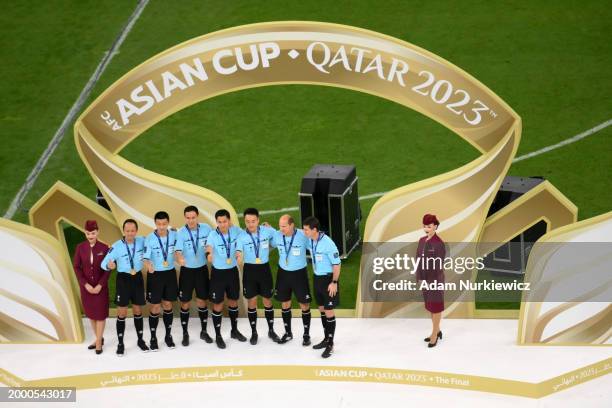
x=477, y=360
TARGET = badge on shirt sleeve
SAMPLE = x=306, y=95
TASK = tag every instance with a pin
x=336, y=255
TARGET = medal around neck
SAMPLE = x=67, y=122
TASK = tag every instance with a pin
x=308, y=53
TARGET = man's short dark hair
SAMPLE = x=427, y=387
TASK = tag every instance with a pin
x=191, y=208
x=130, y=221
x=222, y=213
x=161, y=215
x=251, y=211
x=312, y=223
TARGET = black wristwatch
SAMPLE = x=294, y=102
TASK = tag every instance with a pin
x=336, y=282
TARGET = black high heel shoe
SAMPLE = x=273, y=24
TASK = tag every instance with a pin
x=93, y=346
x=427, y=339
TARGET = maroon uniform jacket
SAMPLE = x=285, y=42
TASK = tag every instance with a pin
x=430, y=270
x=95, y=306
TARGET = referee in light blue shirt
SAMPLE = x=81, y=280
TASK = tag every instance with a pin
x=292, y=276
x=127, y=255
x=224, y=276
x=162, y=286
x=191, y=254
x=254, y=249
x=326, y=267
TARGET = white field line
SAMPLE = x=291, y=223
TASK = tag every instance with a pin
x=565, y=142
x=108, y=56
x=74, y=110
x=543, y=150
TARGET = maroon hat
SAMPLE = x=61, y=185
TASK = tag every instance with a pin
x=91, y=225
x=430, y=219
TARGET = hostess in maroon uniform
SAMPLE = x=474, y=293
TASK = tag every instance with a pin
x=432, y=253
x=87, y=267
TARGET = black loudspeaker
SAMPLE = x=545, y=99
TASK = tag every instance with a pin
x=511, y=257
x=329, y=192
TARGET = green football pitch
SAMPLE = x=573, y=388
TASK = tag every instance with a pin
x=549, y=60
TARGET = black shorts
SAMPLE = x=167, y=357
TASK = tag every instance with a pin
x=129, y=288
x=192, y=279
x=162, y=285
x=257, y=280
x=320, y=284
x=224, y=282
x=288, y=282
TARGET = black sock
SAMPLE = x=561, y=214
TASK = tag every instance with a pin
x=120, y=328
x=269, y=313
x=168, y=317
x=138, y=325
x=203, y=313
x=324, y=322
x=185, y=320
x=306, y=322
x=331, y=329
x=233, y=315
x=287, y=320
x=253, y=320
x=153, y=320
x=216, y=317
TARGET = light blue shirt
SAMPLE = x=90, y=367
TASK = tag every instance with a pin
x=153, y=251
x=291, y=256
x=118, y=253
x=219, y=247
x=324, y=254
x=185, y=244
x=247, y=241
